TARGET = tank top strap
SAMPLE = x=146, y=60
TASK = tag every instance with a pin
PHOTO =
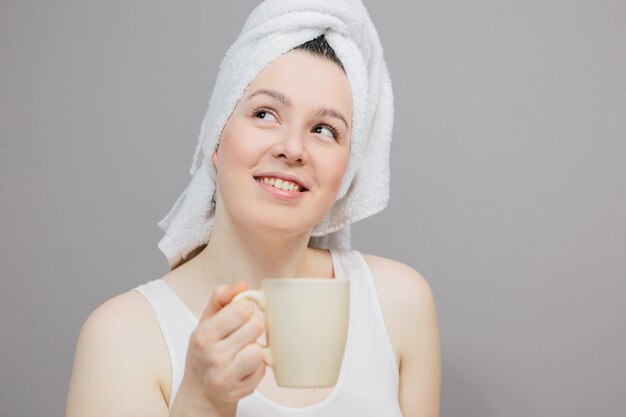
x=367, y=321
x=346, y=263
x=176, y=322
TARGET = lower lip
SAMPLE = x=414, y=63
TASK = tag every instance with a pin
x=280, y=194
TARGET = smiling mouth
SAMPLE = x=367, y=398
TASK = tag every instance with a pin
x=281, y=184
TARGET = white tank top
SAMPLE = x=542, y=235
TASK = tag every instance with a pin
x=368, y=381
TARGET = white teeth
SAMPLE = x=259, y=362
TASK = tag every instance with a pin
x=280, y=184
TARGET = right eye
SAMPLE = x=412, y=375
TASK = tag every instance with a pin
x=264, y=114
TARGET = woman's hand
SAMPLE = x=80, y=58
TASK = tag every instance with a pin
x=224, y=364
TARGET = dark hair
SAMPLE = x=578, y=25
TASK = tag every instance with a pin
x=320, y=47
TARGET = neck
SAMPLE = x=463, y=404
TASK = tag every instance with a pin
x=235, y=253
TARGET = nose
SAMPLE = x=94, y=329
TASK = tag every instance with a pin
x=291, y=147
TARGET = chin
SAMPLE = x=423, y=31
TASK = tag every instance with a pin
x=289, y=221
x=279, y=225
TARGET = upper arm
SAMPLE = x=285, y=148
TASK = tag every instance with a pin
x=410, y=316
x=119, y=362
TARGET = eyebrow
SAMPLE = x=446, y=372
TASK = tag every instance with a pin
x=325, y=111
x=277, y=95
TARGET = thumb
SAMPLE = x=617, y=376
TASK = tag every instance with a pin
x=222, y=295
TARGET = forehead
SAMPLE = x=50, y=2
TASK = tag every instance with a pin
x=307, y=80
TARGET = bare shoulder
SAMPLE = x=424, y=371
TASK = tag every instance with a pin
x=123, y=324
x=400, y=285
x=120, y=354
x=120, y=313
x=409, y=312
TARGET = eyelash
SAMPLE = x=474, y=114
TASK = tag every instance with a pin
x=257, y=110
x=332, y=129
x=254, y=112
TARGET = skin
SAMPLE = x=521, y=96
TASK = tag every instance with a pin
x=122, y=366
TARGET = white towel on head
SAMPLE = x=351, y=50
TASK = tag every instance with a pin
x=273, y=28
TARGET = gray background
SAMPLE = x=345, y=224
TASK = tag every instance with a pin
x=508, y=194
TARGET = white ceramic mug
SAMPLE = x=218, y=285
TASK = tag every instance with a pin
x=306, y=323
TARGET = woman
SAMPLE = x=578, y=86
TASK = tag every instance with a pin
x=283, y=167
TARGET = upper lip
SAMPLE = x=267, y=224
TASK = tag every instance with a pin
x=280, y=175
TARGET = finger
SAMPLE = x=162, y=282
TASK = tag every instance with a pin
x=246, y=386
x=247, y=362
x=228, y=320
x=222, y=295
x=246, y=334
x=251, y=382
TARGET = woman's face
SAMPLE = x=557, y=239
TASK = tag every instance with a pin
x=284, y=149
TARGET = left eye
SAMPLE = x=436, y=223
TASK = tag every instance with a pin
x=326, y=131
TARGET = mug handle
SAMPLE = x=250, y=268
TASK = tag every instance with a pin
x=258, y=298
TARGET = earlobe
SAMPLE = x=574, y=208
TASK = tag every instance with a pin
x=214, y=158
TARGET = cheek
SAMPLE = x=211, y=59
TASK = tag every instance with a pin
x=225, y=158
x=235, y=148
x=336, y=168
x=239, y=152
